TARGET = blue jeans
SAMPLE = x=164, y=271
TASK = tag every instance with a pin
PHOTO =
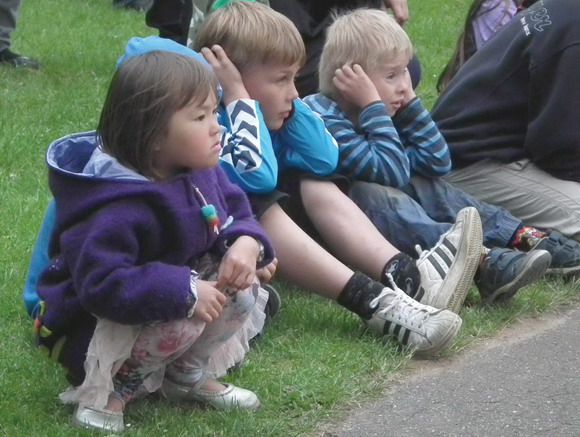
x=426, y=208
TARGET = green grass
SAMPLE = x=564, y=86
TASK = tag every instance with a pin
x=313, y=363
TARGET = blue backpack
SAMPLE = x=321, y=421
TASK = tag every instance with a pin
x=39, y=261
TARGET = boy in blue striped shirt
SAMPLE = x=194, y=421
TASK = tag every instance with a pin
x=395, y=155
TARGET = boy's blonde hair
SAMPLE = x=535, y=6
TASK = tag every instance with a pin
x=252, y=33
x=368, y=37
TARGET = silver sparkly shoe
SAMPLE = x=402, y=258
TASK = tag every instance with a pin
x=229, y=398
x=94, y=418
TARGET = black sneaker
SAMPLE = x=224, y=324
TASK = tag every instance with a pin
x=274, y=302
x=15, y=60
x=505, y=271
x=565, y=253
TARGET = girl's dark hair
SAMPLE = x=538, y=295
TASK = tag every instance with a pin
x=143, y=95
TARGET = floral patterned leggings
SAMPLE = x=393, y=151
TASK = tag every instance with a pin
x=184, y=346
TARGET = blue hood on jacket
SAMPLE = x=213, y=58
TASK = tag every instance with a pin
x=138, y=46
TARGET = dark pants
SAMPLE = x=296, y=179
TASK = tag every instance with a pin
x=172, y=18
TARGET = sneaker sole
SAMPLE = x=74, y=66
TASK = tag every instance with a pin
x=443, y=344
x=466, y=261
x=97, y=421
x=533, y=271
x=563, y=271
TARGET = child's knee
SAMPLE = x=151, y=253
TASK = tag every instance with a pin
x=168, y=338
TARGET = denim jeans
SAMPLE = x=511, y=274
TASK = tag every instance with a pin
x=426, y=208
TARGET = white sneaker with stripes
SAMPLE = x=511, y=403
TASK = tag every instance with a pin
x=424, y=330
x=447, y=270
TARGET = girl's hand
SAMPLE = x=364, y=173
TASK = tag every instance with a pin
x=238, y=267
x=355, y=86
x=266, y=273
x=228, y=75
x=209, y=301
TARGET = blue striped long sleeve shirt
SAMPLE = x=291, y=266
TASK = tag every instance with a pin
x=382, y=149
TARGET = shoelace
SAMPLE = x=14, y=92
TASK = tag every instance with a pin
x=422, y=253
x=409, y=308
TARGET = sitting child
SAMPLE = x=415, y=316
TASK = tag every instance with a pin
x=390, y=145
x=151, y=282
x=441, y=276
x=256, y=53
x=290, y=136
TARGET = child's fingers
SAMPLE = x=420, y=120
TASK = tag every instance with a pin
x=222, y=282
x=250, y=279
x=338, y=82
x=272, y=267
x=219, y=52
x=247, y=279
x=204, y=317
x=212, y=313
x=339, y=73
x=356, y=68
x=217, y=307
x=221, y=298
x=207, y=54
x=210, y=58
x=246, y=276
x=265, y=274
x=237, y=279
x=225, y=271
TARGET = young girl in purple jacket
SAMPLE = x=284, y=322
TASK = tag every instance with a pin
x=151, y=284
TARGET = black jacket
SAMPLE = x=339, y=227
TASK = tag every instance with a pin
x=519, y=96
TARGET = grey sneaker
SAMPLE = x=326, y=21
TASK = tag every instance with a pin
x=565, y=253
x=424, y=330
x=447, y=270
x=505, y=271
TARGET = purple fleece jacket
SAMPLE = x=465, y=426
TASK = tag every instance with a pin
x=123, y=249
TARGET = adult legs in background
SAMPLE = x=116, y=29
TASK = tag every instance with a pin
x=530, y=194
x=8, y=14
